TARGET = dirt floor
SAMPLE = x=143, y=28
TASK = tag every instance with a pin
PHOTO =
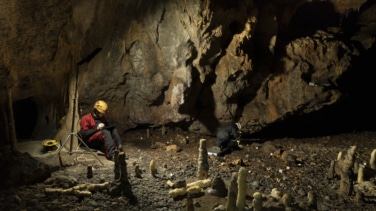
x=298, y=167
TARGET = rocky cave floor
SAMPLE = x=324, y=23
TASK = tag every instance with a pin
x=295, y=166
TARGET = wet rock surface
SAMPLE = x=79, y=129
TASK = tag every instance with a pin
x=298, y=167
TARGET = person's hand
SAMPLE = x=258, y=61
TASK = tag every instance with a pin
x=100, y=126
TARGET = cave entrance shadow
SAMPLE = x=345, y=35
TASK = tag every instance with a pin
x=25, y=114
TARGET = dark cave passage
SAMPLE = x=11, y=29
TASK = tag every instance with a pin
x=25, y=116
x=352, y=115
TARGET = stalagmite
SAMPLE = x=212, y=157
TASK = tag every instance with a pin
x=276, y=193
x=331, y=171
x=203, y=164
x=339, y=156
x=372, y=161
x=360, y=174
x=153, y=169
x=286, y=200
x=346, y=185
x=242, y=189
x=232, y=193
x=312, y=200
x=257, y=201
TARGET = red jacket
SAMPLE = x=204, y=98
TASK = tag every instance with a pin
x=88, y=126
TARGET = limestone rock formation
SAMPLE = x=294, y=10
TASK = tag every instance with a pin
x=193, y=64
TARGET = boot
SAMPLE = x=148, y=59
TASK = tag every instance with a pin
x=224, y=151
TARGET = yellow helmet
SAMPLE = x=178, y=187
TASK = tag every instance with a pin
x=100, y=106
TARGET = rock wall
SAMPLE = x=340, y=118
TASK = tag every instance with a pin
x=192, y=64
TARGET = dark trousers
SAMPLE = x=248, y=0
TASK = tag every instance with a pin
x=110, y=141
x=226, y=143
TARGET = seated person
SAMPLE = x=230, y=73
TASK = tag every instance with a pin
x=97, y=133
x=226, y=138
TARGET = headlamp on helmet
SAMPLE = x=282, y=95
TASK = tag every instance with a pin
x=238, y=125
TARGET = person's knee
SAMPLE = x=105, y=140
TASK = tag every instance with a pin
x=106, y=132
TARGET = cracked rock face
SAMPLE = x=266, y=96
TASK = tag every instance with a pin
x=197, y=64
